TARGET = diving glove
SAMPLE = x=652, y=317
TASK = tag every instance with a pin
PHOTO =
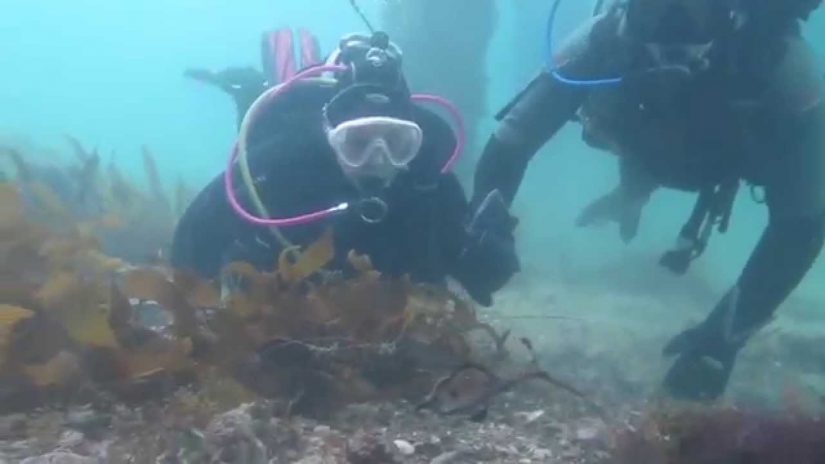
x=703, y=365
x=489, y=258
x=706, y=354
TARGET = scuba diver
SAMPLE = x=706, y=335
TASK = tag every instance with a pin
x=246, y=84
x=695, y=95
x=346, y=146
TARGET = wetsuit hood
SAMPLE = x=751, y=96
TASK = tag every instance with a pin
x=371, y=60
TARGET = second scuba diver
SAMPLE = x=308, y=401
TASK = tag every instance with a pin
x=694, y=95
x=355, y=151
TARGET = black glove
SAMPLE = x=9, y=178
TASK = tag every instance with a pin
x=707, y=353
x=489, y=258
x=703, y=366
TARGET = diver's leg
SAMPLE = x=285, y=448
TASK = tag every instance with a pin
x=533, y=117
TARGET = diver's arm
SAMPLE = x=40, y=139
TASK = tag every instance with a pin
x=795, y=197
x=480, y=246
x=783, y=257
x=789, y=246
x=707, y=352
x=537, y=114
x=795, y=186
x=592, y=51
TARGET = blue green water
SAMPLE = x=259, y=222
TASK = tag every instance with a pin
x=110, y=73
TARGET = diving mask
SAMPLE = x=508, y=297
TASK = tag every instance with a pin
x=372, y=151
x=373, y=141
x=370, y=129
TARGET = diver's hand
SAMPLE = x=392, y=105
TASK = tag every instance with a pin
x=489, y=258
x=703, y=364
x=615, y=207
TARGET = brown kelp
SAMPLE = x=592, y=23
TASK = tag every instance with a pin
x=75, y=319
x=140, y=220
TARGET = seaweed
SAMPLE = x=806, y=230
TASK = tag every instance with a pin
x=183, y=196
x=90, y=307
x=678, y=434
x=300, y=332
x=153, y=176
x=470, y=388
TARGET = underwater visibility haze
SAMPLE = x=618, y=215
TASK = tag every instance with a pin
x=113, y=144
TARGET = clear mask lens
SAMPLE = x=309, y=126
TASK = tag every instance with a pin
x=375, y=140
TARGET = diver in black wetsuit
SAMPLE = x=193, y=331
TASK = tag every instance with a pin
x=696, y=95
x=359, y=140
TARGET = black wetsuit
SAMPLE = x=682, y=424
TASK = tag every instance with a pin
x=764, y=124
x=295, y=172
